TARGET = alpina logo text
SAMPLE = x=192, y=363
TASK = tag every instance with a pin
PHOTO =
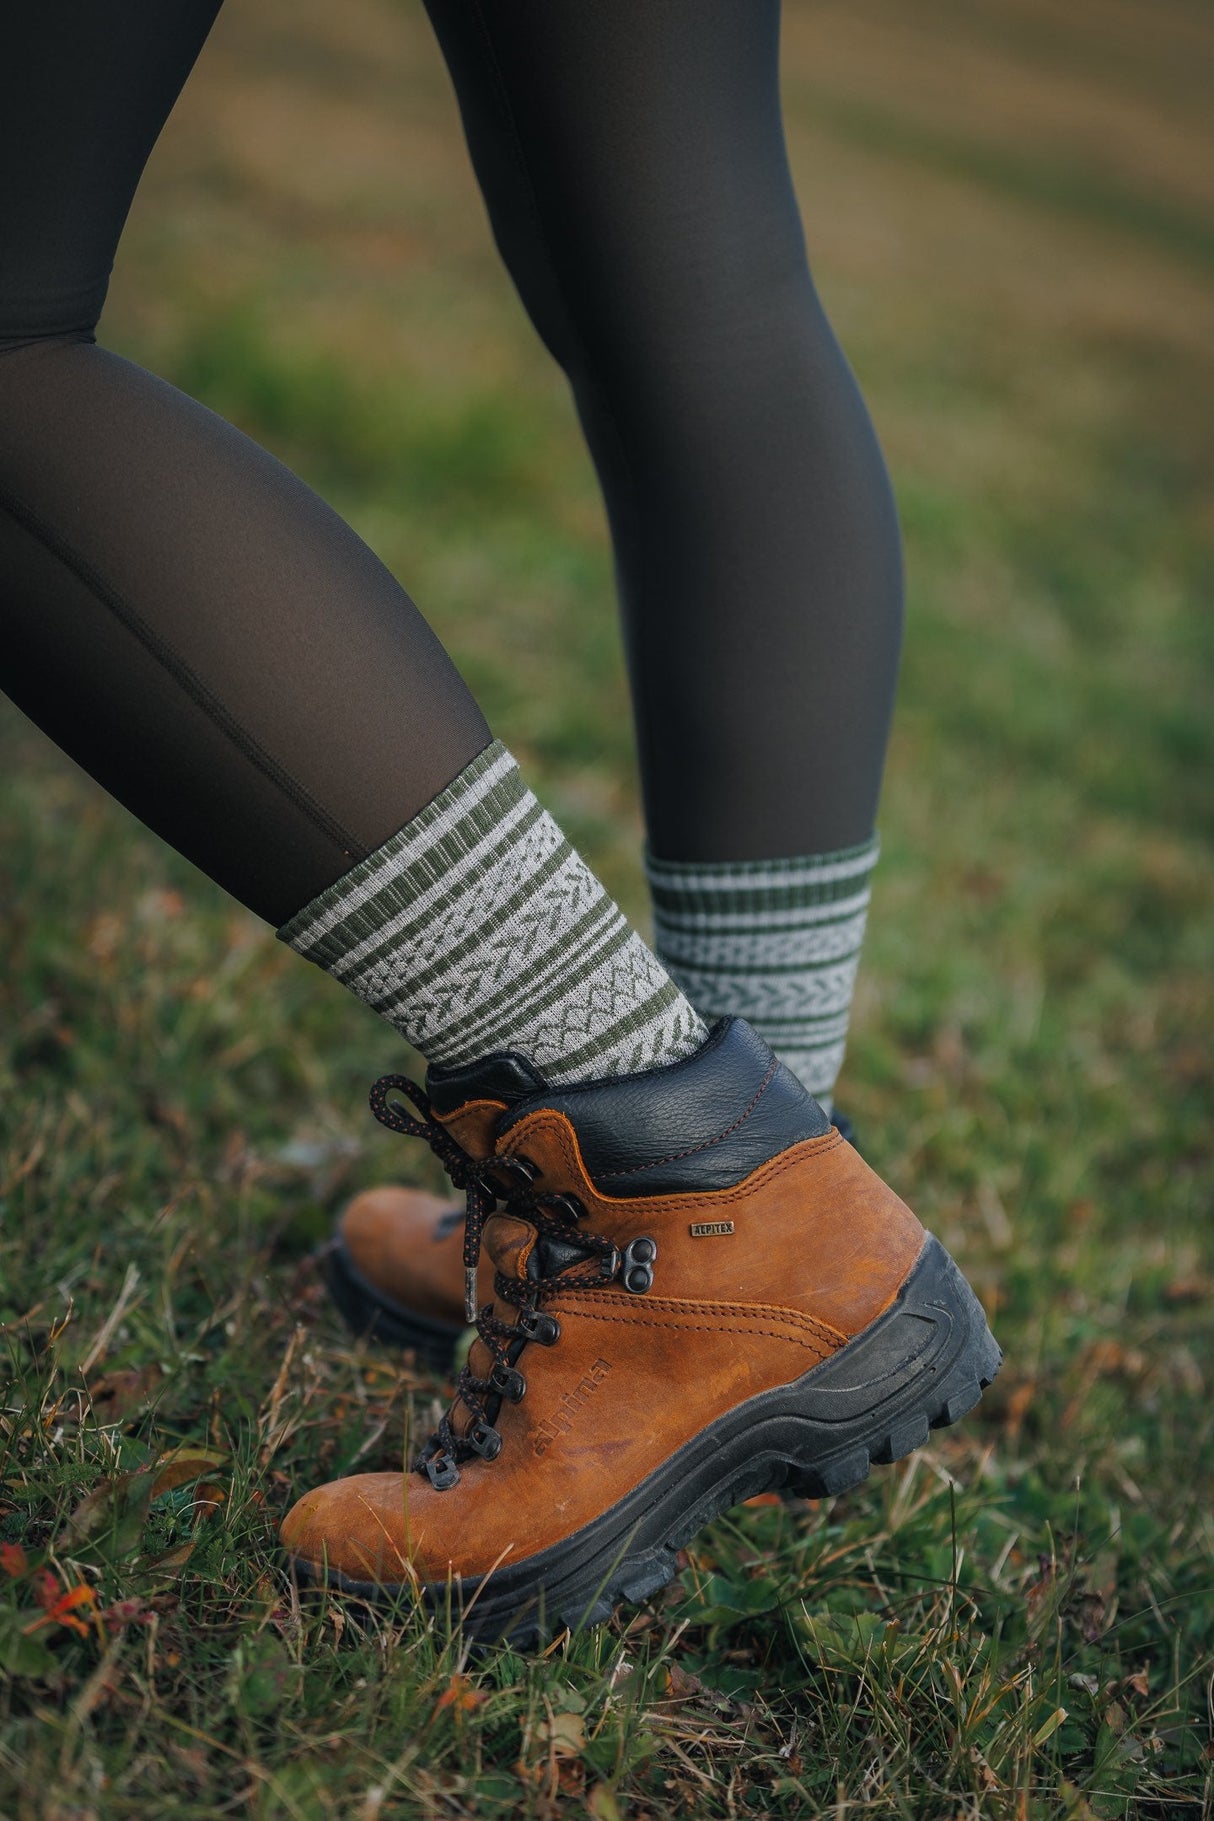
x=709, y=1229
x=553, y=1427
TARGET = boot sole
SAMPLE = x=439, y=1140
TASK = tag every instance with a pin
x=375, y=1316
x=920, y=1366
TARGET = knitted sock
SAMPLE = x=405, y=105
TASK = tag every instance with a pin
x=478, y=928
x=775, y=941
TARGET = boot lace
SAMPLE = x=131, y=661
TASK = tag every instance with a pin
x=503, y=1180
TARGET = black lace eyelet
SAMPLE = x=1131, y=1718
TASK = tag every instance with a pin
x=484, y=1440
x=509, y=1381
x=568, y=1204
x=539, y=1326
x=517, y=1166
x=636, y=1270
x=441, y=1471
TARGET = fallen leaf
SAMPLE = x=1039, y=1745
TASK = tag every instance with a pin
x=119, y=1395
x=13, y=1560
x=680, y=1686
x=565, y=1735
x=181, y=1465
x=46, y=1588
x=172, y=1558
x=63, y=1609
x=570, y=1776
x=460, y=1695
x=1189, y=1289
x=208, y=1497
x=986, y=1776
x=112, y=1513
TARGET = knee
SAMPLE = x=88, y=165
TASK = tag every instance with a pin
x=48, y=294
x=687, y=304
x=21, y=336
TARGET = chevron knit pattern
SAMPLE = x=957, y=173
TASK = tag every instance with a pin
x=775, y=941
x=478, y=928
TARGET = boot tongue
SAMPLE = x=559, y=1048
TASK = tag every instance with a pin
x=552, y=1255
x=510, y=1243
x=520, y=1251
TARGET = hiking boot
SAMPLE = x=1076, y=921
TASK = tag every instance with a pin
x=394, y=1267
x=701, y=1293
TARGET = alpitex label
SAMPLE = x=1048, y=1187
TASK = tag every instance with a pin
x=709, y=1229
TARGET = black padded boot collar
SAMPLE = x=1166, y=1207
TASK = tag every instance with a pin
x=704, y=1123
x=505, y=1076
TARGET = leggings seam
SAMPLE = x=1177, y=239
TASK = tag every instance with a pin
x=181, y=673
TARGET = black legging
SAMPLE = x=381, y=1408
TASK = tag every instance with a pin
x=209, y=640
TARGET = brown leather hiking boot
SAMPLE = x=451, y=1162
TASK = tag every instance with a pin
x=701, y=1293
x=395, y=1267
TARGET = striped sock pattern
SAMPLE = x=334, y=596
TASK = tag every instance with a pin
x=478, y=928
x=774, y=941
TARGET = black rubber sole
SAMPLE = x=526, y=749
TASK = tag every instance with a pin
x=920, y=1366
x=375, y=1316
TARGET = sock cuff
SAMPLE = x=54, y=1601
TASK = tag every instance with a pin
x=445, y=831
x=775, y=940
x=477, y=927
x=718, y=887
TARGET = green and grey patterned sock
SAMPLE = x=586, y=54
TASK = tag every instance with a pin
x=775, y=941
x=478, y=928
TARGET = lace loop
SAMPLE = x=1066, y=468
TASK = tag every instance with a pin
x=465, y=1171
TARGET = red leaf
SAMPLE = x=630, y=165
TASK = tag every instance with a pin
x=13, y=1560
x=46, y=1587
x=60, y=1608
x=460, y=1695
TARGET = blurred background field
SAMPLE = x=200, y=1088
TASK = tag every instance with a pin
x=1010, y=212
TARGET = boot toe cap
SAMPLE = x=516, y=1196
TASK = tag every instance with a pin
x=381, y=1222
x=351, y=1528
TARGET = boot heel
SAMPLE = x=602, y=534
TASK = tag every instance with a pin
x=920, y=1366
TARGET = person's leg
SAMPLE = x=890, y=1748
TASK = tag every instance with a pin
x=633, y=165
x=181, y=614
x=209, y=640
x=700, y=1291
x=160, y=621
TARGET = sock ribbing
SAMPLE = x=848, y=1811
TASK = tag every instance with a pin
x=479, y=928
x=774, y=941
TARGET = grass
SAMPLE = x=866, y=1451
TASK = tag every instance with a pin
x=1008, y=221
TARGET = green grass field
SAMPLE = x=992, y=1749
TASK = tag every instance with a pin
x=1011, y=214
